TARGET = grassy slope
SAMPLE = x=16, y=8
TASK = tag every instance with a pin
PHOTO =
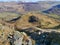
x=8, y=15
x=55, y=16
x=43, y=21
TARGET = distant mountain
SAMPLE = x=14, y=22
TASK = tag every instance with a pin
x=37, y=6
x=26, y=6
x=53, y=10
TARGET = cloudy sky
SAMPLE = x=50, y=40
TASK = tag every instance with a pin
x=30, y=0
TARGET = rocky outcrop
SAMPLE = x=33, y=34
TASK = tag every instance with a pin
x=22, y=39
x=8, y=36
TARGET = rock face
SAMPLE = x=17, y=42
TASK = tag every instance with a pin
x=38, y=20
x=20, y=39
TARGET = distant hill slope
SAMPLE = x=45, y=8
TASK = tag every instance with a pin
x=53, y=10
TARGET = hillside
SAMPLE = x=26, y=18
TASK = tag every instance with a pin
x=54, y=10
x=23, y=30
x=24, y=23
x=37, y=20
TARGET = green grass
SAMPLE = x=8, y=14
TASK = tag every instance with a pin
x=8, y=15
x=55, y=16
